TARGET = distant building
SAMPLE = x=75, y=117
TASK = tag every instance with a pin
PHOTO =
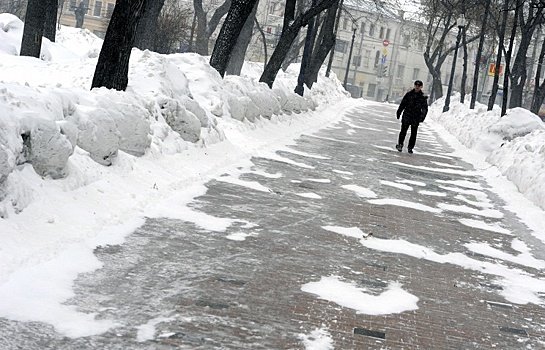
x=97, y=14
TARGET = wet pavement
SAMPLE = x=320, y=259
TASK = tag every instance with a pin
x=174, y=284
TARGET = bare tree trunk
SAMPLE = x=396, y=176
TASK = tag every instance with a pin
x=289, y=33
x=112, y=70
x=50, y=23
x=464, y=70
x=264, y=39
x=204, y=28
x=146, y=31
x=479, y=55
x=324, y=45
x=229, y=33
x=501, y=48
x=236, y=61
x=34, y=27
x=527, y=27
x=507, y=70
x=539, y=89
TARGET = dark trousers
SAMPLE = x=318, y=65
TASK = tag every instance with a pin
x=403, y=133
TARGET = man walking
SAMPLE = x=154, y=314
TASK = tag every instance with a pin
x=414, y=107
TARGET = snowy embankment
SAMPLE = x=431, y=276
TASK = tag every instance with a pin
x=515, y=143
x=79, y=164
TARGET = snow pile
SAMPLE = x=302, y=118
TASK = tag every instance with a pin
x=48, y=112
x=514, y=143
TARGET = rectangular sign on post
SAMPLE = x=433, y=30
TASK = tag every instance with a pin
x=492, y=69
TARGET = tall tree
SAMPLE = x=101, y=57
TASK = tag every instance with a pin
x=539, y=88
x=479, y=55
x=204, y=28
x=324, y=45
x=508, y=55
x=229, y=33
x=34, y=28
x=236, y=60
x=146, y=30
x=290, y=29
x=528, y=20
x=112, y=70
x=50, y=22
x=501, y=48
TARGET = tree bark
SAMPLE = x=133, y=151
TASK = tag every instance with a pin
x=236, y=61
x=519, y=72
x=289, y=33
x=324, y=45
x=539, y=88
x=112, y=70
x=50, y=22
x=464, y=65
x=204, y=29
x=146, y=31
x=229, y=33
x=31, y=43
x=479, y=55
x=501, y=48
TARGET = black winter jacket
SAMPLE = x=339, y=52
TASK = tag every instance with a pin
x=415, y=105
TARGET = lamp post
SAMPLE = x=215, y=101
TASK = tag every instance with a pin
x=461, y=24
x=354, y=28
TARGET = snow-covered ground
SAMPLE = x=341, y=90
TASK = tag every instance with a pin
x=80, y=167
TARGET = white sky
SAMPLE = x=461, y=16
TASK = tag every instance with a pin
x=50, y=240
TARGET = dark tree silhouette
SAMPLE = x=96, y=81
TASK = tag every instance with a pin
x=146, y=31
x=229, y=33
x=324, y=44
x=112, y=70
x=34, y=28
x=50, y=22
x=292, y=26
x=204, y=28
x=236, y=60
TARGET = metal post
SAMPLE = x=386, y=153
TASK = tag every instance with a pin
x=461, y=24
x=349, y=56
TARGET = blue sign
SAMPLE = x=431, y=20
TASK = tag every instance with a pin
x=383, y=60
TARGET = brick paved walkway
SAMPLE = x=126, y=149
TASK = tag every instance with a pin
x=206, y=291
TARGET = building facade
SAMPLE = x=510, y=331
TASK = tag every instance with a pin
x=96, y=14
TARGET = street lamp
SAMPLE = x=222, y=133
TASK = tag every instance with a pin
x=461, y=24
x=354, y=28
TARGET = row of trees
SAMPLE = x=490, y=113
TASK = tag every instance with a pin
x=494, y=24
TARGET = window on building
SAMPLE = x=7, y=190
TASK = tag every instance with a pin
x=388, y=33
x=98, y=8
x=72, y=5
x=400, y=71
x=366, y=57
x=345, y=23
x=340, y=46
x=416, y=73
x=377, y=58
x=269, y=30
x=381, y=35
x=372, y=30
x=406, y=39
x=362, y=28
x=109, y=10
x=357, y=61
x=371, y=90
x=272, y=8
